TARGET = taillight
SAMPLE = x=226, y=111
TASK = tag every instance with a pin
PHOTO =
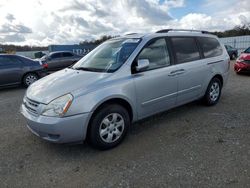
x=45, y=65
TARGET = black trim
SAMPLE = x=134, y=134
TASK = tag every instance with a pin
x=199, y=48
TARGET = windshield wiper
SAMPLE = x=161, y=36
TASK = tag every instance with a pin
x=84, y=69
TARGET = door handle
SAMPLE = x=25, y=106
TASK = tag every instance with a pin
x=177, y=72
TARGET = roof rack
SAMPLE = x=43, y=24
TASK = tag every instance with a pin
x=191, y=30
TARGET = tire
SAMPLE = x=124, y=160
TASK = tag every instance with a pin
x=29, y=79
x=108, y=127
x=213, y=92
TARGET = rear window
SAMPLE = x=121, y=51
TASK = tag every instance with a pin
x=210, y=46
x=185, y=49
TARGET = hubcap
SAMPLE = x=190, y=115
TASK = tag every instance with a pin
x=111, y=128
x=30, y=79
x=214, y=91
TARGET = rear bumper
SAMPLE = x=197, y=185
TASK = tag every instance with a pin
x=57, y=130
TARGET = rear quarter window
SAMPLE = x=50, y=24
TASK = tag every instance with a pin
x=210, y=47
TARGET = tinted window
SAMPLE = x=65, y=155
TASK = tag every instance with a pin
x=210, y=46
x=57, y=55
x=157, y=54
x=186, y=49
x=9, y=61
x=67, y=54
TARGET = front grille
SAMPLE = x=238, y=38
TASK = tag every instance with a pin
x=247, y=61
x=30, y=105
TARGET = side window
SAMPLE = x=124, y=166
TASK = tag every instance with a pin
x=8, y=61
x=210, y=47
x=67, y=54
x=185, y=49
x=2, y=61
x=56, y=55
x=157, y=54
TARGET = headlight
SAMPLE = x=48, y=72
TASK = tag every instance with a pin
x=59, y=106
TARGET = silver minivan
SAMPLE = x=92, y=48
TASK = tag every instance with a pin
x=124, y=80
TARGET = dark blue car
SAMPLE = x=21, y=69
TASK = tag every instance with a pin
x=15, y=70
x=232, y=52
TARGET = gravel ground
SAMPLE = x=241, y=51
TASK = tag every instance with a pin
x=189, y=146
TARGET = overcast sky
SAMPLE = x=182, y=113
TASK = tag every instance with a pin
x=43, y=22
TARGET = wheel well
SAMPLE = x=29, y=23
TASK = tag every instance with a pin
x=29, y=73
x=119, y=101
x=220, y=78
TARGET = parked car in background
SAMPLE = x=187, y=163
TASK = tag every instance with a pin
x=232, y=52
x=124, y=80
x=15, y=69
x=59, y=60
x=242, y=64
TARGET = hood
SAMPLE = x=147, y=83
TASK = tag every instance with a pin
x=63, y=82
x=245, y=56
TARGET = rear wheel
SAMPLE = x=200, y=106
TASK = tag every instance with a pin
x=109, y=126
x=29, y=79
x=213, y=92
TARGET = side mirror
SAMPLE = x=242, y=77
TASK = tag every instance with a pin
x=142, y=64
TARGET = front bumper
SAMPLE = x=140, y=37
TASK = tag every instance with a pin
x=241, y=69
x=57, y=130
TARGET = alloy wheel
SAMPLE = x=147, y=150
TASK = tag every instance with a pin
x=214, y=91
x=111, y=127
x=30, y=79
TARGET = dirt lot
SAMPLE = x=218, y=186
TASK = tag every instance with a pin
x=190, y=146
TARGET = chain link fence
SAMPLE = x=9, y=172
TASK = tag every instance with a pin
x=239, y=42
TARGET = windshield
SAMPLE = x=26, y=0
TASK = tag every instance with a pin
x=247, y=50
x=109, y=56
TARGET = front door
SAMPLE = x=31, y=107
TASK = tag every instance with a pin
x=156, y=87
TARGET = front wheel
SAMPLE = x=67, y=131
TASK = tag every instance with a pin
x=29, y=79
x=213, y=92
x=109, y=126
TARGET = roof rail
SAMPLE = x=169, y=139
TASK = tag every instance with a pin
x=191, y=30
